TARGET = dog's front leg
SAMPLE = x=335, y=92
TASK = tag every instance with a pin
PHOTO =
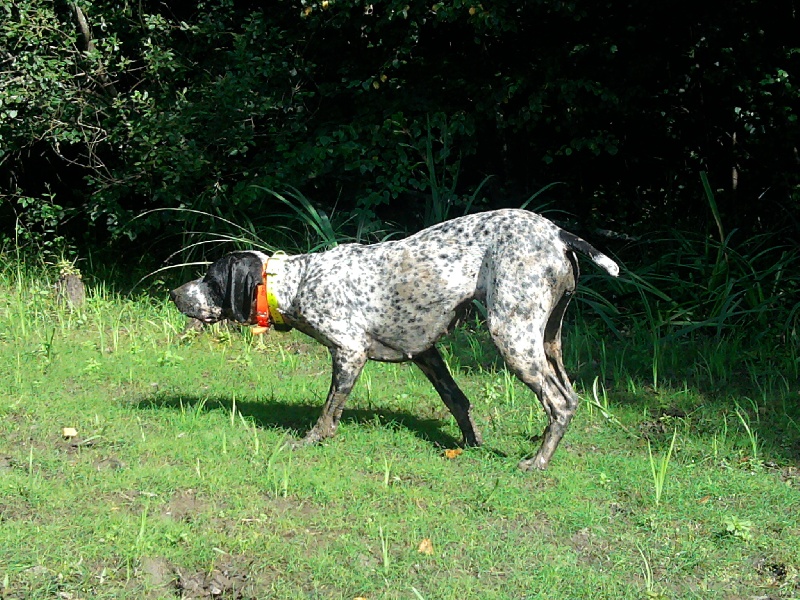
x=432, y=364
x=347, y=365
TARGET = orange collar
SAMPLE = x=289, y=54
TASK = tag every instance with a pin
x=267, y=313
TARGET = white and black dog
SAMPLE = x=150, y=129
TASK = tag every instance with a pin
x=394, y=300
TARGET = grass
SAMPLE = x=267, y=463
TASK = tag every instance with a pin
x=177, y=483
x=658, y=468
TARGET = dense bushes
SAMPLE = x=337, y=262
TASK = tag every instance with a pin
x=107, y=110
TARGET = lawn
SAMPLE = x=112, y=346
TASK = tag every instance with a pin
x=139, y=461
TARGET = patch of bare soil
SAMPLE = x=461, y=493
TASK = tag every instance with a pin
x=791, y=475
x=159, y=575
x=661, y=426
x=774, y=573
x=231, y=579
x=109, y=463
x=590, y=548
x=183, y=506
x=225, y=581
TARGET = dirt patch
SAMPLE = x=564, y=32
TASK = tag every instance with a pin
x=590, y=548
x=158, y=574
x=109, y=463
x=183, y=506
x=619, y=511
x=77, y=444
x=132, y=500
x=283, y=505
x=225, y=581
x=791, y=475
x=231, y=579
x=774, y=573
x=534, y=525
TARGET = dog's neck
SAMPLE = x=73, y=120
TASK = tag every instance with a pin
x=285, y=284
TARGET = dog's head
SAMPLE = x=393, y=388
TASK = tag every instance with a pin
x=226, y=292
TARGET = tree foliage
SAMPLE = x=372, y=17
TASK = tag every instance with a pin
x=108, y=109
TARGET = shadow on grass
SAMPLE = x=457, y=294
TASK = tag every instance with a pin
x=299, y=418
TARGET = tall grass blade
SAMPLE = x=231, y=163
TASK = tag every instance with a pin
x=713, y=205
x=752, y=435
x=539, y=192
x=658, y=469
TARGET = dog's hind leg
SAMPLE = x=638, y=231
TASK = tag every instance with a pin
x=526, y=328
x=554, y=389
x=432, y=364
x=347, y=366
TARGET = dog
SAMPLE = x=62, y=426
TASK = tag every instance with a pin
x=393, y=301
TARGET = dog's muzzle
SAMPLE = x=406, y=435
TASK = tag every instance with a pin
x=194, y=300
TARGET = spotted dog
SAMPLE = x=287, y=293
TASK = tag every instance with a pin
x=394, y=300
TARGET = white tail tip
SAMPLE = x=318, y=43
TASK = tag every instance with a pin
x=609, y=265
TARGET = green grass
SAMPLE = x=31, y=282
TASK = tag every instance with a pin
x=178, y=484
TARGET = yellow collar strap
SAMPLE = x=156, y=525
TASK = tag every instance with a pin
x=272, y=270
x=267, y=313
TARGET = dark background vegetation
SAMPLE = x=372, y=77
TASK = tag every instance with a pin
x=391, y=115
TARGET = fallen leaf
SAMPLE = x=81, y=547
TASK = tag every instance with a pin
x=425, y=547
x=452, y=453
x=69, y=432
x=704, y=499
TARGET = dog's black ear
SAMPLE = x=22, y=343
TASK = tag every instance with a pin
x=245, y=275
x=237, y=275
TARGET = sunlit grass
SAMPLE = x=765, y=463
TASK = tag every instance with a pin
x=179, y=461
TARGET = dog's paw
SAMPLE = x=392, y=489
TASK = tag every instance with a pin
x=532, y=464
x=294, y=444
x=474, y=440
x=311, y=438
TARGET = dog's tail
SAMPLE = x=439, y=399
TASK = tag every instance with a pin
x=573, y=242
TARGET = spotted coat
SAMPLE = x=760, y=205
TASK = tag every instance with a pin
x=394, y=300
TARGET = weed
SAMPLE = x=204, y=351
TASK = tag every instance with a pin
x=599, y=400
x=316, y=223
x=509, y=389
x=384, y=537
x=139, y=545
x=279, y=478
x=169, y=359
x=647, y=573
x=387, y=471
x=484, y=498
x=491, y=392
x=253, y=430
x=752, y=436
x=658, y=469
x=92, y=365
x=477, y=352
x=442, y=176
x=738, y=528
x=720, y=439
x=532, y=424
x=366, y=380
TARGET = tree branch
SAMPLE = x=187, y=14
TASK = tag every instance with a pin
x=86, y=31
